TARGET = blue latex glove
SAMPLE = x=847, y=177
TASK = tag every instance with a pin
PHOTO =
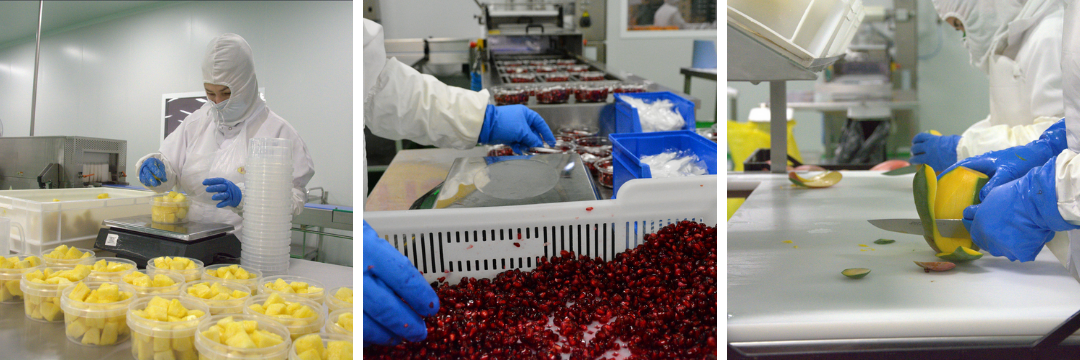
x=1006, y=165
x=389, y=278
x=937, y=151
x=227, y=192
x=1018, y=217
x=515, y=125
x=152, y=172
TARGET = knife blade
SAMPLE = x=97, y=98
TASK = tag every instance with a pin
x=910, y=169
x=946, y=227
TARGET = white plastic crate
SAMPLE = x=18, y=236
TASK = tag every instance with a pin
x=479, y=242
x=72, y=221
x=809, y=29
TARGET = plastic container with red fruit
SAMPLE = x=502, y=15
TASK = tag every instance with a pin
x=630, y=88
x=591, y=76
x=517, y=70
x=555, y=94
x=500, y=150
x=571, y=133
x=556, y=77
x=510, y=96
x=511, y=64
x=566, y=62
x=577, y=68
x=522, y=78
x=543, y=69
x=591, y=93
x=595, y=145
x=604, y=172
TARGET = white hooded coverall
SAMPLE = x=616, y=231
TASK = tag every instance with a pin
x=402, y=103
x=1017, y=43
x=212, y=142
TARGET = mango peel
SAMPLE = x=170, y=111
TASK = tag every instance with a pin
x=946, y=199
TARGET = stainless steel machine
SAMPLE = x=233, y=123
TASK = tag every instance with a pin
x=525, y=31
x=49, y=162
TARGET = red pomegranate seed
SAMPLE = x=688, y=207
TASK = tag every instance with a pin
x=589, y=208
x=517, y=244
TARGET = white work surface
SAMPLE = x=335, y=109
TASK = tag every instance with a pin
x=780, y=296
x=22, y=338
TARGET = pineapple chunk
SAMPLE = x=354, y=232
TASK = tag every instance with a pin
x=310, y=343
x=344, y=294
x=338, y=350
x=79, y=292
x=92, y=337
x=109, y=333
x=345, y=321
x=76, y=328
x=182, y=344
x=241, y=340
x=50, y=311
x=265, y=339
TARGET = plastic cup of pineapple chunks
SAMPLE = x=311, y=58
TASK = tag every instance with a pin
x=153, y=339
x=153, y=290
x=218, y=307
x=335, y=304
x=297, y=326
x=114, y=270
x=54, y=262
x=188, y=274
x=171, y=208
x=41, y=301
x=295, y=349
x=314, y=295
x=96, y=324
x=332, y=325
x=252, y=282
x=213, y=350
x=11, y=277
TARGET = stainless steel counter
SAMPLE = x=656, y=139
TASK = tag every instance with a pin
x=25, y=339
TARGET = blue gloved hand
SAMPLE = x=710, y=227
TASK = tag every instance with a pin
x=389, y=278
x=515, y=125
x=152, y=172
x=227, y=192
x=937, y=151
x=1006, y=165
x=1018, y=217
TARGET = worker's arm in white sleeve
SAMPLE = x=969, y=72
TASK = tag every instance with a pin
x=1067, y=183
x=172, y=153
x=402, y=103
x=982, y=137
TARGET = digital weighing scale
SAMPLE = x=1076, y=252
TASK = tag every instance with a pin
x=139, y=239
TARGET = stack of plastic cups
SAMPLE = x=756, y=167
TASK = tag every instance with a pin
x=267, y=233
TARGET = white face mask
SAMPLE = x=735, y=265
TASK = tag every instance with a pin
x=228, y=112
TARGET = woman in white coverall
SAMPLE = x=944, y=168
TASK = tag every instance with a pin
x=1034, y=190
x=1017, y=43
x=401, y=103
x=206, y=154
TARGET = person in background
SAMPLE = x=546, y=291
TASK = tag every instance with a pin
x=1017, y=44
x=205, y=155
x=668, y=15
x=401, y=103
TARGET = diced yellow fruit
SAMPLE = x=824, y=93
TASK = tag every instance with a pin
x=76, y=328
x=73, y=253
x=109, y=333
x=79, y=292
x=169, y=218
x=143, y=351
x=200, y=291
x=212, y=335
x=229, y=276
x=13, y=287
x=164, y=355
x=265, y=339
x=220, y=296
x=157, y=313
x=182, y=213
x=275, y=309
x=310, y=342
x=257, y=308
x=309, y=355
x=92, y=337
x=108, y=292
x=345, y=321
x=95, y=323
x=182, y=343
x=339, y=350
x=50, y=311
x=344, y=294
x=291, y=307
x=240, y=340
x=187, y=355
x=273, y=299
x=195, y=313
x=103, y=196
x=161, y=344
x=237, y=294
x=190, y=265
x=303, y=312
x=176, y=309
x=232, y=328
x=158, y=302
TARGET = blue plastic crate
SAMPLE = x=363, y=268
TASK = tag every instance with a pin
x=628, y=149
x=626, y=117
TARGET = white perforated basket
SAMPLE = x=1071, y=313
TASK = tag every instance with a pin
x=480, y=242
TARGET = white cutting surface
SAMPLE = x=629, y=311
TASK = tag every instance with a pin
x=777, y=292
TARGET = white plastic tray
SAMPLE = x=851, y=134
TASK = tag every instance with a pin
x=480, y=242
x=72, y=221
x=808, y=29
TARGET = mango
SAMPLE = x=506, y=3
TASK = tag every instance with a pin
x=946, y=199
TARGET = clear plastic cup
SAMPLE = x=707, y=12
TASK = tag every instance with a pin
x=332, y=325
x=164, y=211
x=174, y=289
x=97, y=324
x=266, y=250
x=315, y=295
x=604, y=172
x=269, y=270
x=553, y=94
x=220, y=306
x=335, y=304
x=264, y=261
x=591, y=76
x=271, y=227
x=212, y=350
x=591, y=94
x=598, y=146
x=577, y=68
x=297, y=327
x=510, y=96
x=41, y=301
x=559, y=76
x=113, y=276
x=250, y=283
x=326, y=339
x=50, y=262
x=522, y=78
x=152, y=339
x=11, y=279
x=188, y=274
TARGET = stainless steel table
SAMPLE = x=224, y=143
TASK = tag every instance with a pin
x=25, y=339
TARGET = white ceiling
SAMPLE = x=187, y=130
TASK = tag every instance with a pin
x=20, y=18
